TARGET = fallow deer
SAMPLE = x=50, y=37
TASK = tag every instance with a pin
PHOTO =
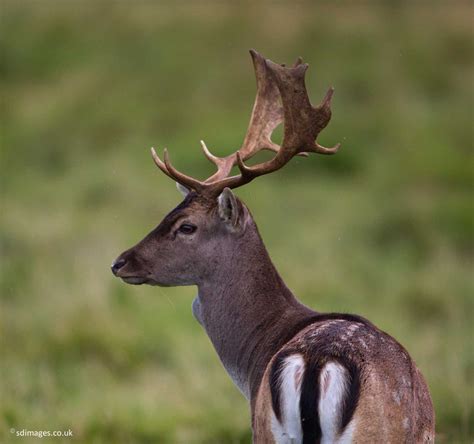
x=310, y=377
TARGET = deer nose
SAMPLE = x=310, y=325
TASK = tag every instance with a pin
x=117, y=265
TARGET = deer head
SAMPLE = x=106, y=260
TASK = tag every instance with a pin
x=189, y=244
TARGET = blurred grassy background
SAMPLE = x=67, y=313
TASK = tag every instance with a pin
x=383, y=229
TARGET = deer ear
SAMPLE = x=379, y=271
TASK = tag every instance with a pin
x=231, y=211
x=182, y=189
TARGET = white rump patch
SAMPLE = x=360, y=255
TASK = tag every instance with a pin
x=289, y=430
x=333, y=385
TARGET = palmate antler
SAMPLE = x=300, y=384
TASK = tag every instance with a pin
x=281, y=96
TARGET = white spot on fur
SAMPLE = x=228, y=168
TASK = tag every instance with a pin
x=428, y=436
x=289, y=430
x=352, y=329
x=333, y=388
x=317, y=331
x=406, y=423
x=396, y=397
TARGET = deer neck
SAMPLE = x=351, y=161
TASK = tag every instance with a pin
x=247, y=311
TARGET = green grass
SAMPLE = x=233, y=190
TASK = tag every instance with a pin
x=384, y=229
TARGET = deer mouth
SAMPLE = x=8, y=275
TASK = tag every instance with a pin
x=135, y=280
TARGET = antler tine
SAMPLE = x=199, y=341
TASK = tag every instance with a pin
x=326, y=106
x=180, y=177
x=209, y=155
x=298, y=61
x=159, y=163
x=173, y=173
x=224, y=164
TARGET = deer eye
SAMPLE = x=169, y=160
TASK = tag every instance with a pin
x=187, y=229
